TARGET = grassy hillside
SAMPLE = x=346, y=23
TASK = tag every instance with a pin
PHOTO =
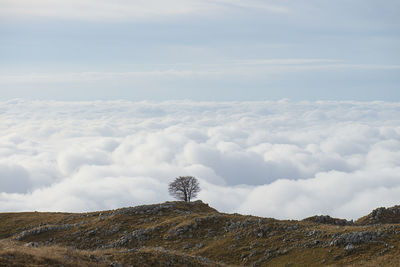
x=194, y=234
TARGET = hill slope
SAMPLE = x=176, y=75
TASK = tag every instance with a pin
x=194, y=234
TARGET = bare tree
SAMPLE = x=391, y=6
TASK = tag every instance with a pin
x=184, y=188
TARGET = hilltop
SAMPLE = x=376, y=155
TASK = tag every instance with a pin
x=194, y=234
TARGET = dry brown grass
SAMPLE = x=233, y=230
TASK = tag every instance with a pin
x=73, y=246
x=13, y=253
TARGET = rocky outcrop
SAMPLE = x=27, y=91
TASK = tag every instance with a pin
x=174, y=206
x=137, y=236
x=381, y=215
x=326, y=219
x=43, y=229
x=356, y=238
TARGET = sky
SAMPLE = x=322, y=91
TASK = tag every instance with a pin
x=281, y=109
x=208, y=50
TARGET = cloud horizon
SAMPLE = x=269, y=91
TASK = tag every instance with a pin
x=279, y=159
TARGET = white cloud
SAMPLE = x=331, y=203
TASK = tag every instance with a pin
x=276, y=159
x=122, y=10
x=14, y=179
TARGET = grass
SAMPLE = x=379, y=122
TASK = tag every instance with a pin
x=214, y=242
x=18, y=254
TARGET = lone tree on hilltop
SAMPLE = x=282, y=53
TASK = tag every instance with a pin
x=184, y=188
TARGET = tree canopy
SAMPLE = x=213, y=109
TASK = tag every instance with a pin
x=184, y=188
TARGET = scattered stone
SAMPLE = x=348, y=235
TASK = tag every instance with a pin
x=116, y=264
x=261, y=231
x=349, y=247
x=93, y=257
x=199, y=246
x=32, y=244
x=92, y=232
x=43, y=229
x=139, y=235
x=187, y=246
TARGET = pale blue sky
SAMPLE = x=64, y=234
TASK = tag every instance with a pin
x=200, y=50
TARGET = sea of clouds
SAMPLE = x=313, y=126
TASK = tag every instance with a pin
x=278, y=159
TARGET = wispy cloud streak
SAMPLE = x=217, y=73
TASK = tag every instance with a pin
x=119, y=10
x=231, y=68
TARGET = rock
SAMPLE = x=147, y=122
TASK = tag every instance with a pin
x=349, y=247
x=32, y=244
x=238, y=236
x=43, y=229
x=312, y=243
x=155, y=209
x=94, y=257
x=254, y=245
x=253, y=253
x=146, y=209
x=261, y=231
x=382, y=215
x=139, y=235
x=314, y=233
x=199, y=246
x=210, y=233
x=326, y=219
x=92, y=232
x=353, y=238
x=293, y=227
x=113, y=230
x=187, y=246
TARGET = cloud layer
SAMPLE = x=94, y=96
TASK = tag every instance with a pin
x=277, y=159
